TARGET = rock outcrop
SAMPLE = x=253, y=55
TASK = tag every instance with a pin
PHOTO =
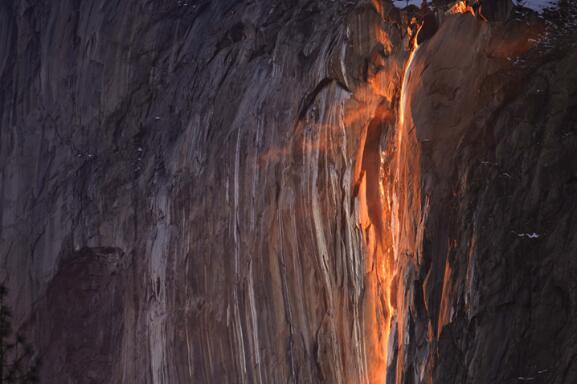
x=220, y=192
x=487, y=293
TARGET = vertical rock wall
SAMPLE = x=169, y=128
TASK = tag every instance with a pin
x=485, y=293
x=184, y=186
x=219, y=192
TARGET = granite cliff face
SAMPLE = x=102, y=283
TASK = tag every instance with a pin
x=248, y=192
x=488, y=285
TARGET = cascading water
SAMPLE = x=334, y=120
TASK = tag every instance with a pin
x=382, y=195
x=406, y=76
x=405, y=209
x=401, y=133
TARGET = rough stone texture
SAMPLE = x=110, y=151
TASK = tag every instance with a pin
x=219, y=192
x=82, y=316
x=216, y=147
x=498, y=155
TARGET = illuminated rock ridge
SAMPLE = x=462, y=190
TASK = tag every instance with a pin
x=290, y=191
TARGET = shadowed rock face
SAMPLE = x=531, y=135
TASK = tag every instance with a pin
x=82, y=315
x=496, y=10
x=215, y=192
x=429, y=27
x=498, y=156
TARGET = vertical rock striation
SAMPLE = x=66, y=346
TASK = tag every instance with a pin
x=221, y=192
x=485, y=294
x=186, y=176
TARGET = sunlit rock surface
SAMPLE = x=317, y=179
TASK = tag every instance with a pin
x=220, y=192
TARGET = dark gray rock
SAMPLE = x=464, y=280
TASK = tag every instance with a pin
x=495, y=10
x=220, y=192
x=216, y=145
x=498, y=156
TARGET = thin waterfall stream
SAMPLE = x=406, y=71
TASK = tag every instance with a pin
x=401, y=133
x=402, y=202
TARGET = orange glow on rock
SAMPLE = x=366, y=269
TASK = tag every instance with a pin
x=385, y=217
x=460, y=7
x=405, y=209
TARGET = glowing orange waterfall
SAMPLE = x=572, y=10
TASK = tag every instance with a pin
x=403, y=101
x=387, y=198
x=404, y=190
x=400, y=153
